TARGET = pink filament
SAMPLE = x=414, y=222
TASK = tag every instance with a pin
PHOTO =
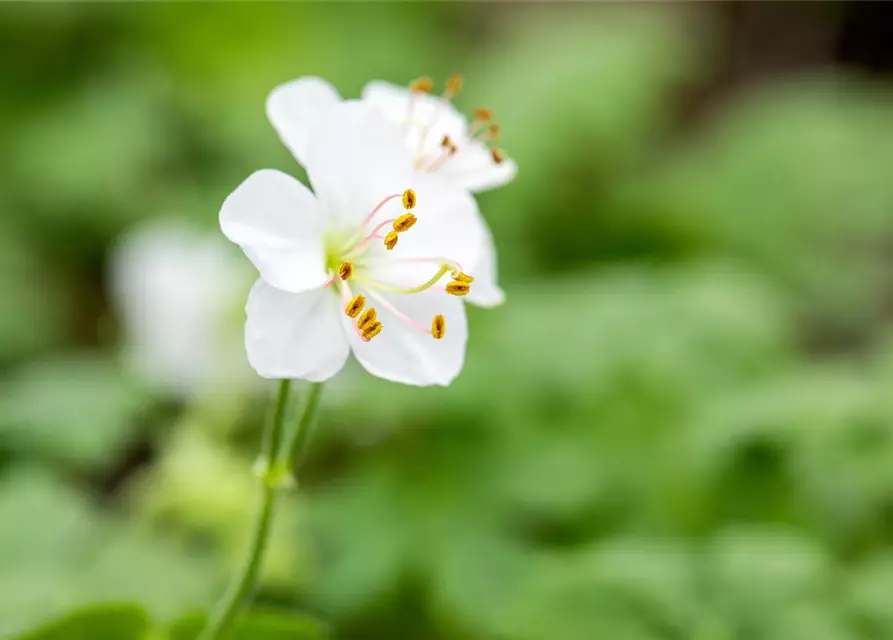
x=402, y=316
x=378, y=208
x=372, y=236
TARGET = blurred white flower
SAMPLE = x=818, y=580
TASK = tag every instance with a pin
x=176, y=289
x=438, y=138
x=337, y=274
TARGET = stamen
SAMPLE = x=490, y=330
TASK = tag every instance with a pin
x=405, y=222
x=421, y=85
x=356, y=304
x=374, y=233
x=409, y=199
x=369, y=316
x=451, y=266
x=463, y=277
x=483, y=114
x=438, y=327
x=399, y=314
x=498, y=155
x=357, y=242
x=453, y=84
x=484, y=131
x=444, y=268
x=345, y=271
x=390, y=240
x=457, y=288
x=346, y=299
x=445, y=141
x=371, y=331
x=480, y=121
x=445, y=154
x=380, y=205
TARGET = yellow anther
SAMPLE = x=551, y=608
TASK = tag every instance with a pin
x=453, y=84
x=482, y=113
x=438, y=327
x=404, y=222
x=390, y=240
x=345, y=271
x=354, y=307
x=409, y=199
x=457, y=288
x=371, y=331
x=463, y=277
x=445, y=141
x=421, y=85
x=498, y=155
x=452, y=149
x=494, y=131
x=367, y=319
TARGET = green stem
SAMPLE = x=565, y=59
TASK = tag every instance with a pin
x=301, y=435
x=236, y=599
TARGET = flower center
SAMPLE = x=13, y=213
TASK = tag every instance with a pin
x=348, y=258
x=424, y=133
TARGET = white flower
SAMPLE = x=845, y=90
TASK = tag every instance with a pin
x=441, y=138
x=173, y=286
x=437, y=137
x=347, y=267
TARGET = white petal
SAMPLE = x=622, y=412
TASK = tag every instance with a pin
x=485, y=292
x=403, y=354
x=418, y=115
x=274, y=218
x=356, y=158
x=393, y=101
x=295, y=109
x=294, y=335
x=473, y=168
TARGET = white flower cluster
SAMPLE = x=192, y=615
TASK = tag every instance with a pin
x=380, y=256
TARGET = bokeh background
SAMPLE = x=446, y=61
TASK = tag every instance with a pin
x=679, y=426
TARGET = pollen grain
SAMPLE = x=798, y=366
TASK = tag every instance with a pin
x=421, y=85
x=409, y=199
x=371, y=331
x=354, y=307
x=457, y=288
x=345, y=271
x=404, y=222
x=438, y=326
x=367, y=319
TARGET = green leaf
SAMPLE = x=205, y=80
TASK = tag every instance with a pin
x=58, y=551
x=38, y=317
x=623, y=588
x=106, y=140
x=792, y=179
x=258, y=625
x=754, y=572
x=78, y=409
x=605, y=78
x=112, y=621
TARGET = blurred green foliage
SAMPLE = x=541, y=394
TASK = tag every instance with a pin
x=677, y=427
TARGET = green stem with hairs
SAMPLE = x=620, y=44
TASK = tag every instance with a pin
x=274, y=474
